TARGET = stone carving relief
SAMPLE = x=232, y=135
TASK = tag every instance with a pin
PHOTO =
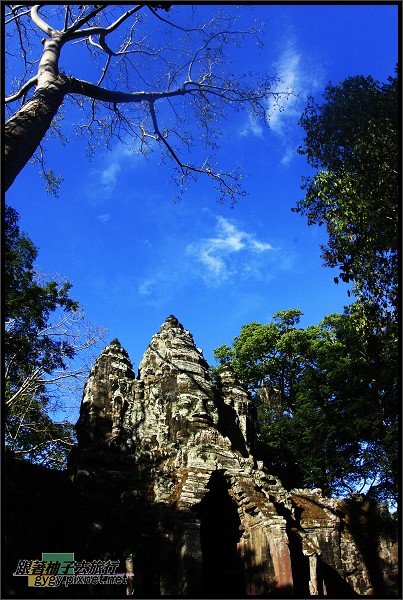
x=177, y=453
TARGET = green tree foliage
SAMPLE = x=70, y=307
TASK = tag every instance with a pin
x=352, y=138
x=41, y=337
x=27, y=307
x=327, y=399
x=33, y=435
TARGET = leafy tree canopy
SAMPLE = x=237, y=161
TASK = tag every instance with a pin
x=327, y=399
x=44, y=330
x=27, y=307
x=352, y=138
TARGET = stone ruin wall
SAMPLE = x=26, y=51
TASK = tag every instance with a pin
x=165, y=467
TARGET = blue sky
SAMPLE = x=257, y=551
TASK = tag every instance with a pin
x=134, y=255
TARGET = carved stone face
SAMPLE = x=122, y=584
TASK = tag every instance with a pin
x=173, y=397
x=177, y=449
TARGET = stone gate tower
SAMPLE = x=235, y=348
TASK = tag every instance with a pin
x=167, y=480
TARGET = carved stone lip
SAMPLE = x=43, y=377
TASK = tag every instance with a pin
x=201, y=421
x=201, y=415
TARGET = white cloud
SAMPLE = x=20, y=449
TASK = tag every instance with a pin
x=288, y=155
x=290, y=74
x=260, y=246
x=104, y=179
x=145, y=287
x=213, y=253
x=216, y=266
x=298, y=77
x=108, y=176
x=217, y=253
x=252, y=127
x=104, y=218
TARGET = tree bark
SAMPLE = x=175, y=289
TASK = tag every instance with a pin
x=24, y=131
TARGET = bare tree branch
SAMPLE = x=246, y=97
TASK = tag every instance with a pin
x=45, y=443
x=66, y=18
x=39, y=22
x=28, y=385
x=23, y=90
x=185, y=29
x=16, y=15
x=74, y=33
x=82, y=21
x=79, y=86
x=188, y=168
x=182, y=64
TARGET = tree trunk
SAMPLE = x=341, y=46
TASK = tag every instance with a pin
x=24, y=131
